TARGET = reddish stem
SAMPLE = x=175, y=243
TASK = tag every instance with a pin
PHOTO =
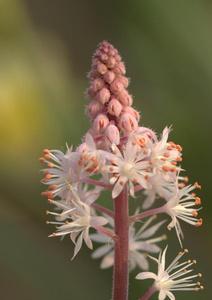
x=95, y=182
x=120, y=271
x=106, y=232
x=103, y=209
x=147, y=213
x=149, y=293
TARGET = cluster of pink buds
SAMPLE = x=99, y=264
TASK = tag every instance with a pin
x=118, y=155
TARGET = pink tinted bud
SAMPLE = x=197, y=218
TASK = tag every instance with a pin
x=101, y=68
x=111, y=62
x=133, y=112
x=82, y=148
x=112, y=135
x=103, y=95
x=128, y=123
x=125, y=99
x=123, y=80
x=90, y=94
x=100, y=123
x=119, y=68
x=109, y=76
x=114, y=107
x=118, y=58
x=116, y=87
x=95, y=62
x=104, y=57
x=97, y=84
x=94, y=109
x=93, y=74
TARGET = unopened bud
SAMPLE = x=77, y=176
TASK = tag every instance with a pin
x=119, y=68
x=125, y=99
x=100, y=123
x=128, y=123
x=133, y=112
x=111, y=61
x=104, y=57
x=123, y=80
x=101, y=68
x=112, y=135
x=97, y=84
x=114, y=107
x=109, y=76
x=116, y=87
x=94, y=109
x=93, y=74
x=90, y=94
x=103, y=95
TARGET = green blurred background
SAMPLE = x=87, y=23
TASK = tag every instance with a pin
x=45, y=54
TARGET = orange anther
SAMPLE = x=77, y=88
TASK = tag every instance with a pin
x=111, y=168
x=151, y=162
x=147, y=176
x=80, y=163
x=193, y=194
x=44, y=194
x=163, y=159
x=184, y=271
x=194, y=261
x=48, y=176
x=112, y=161
x=199, y=274
x=165, y=168
x=145, y=152
x=94, y=158
x=186, y=179
x=46, y=151
x=179, y=158
x=198, y=186
x=42, y=159
x=115, y=152
x=123, y=147
x=166, y=154
x=49, y=201
x=198, y=224
x=182, y=185
x=135, y=180
x=47, y=156
x=121, y=182
x=186, y=250
x=47, y=222
x=66, y=222
x=197, y=201
x=95, y=164
x=174, y=163
x=147, y=170
x=172, y=169
x=50, y=165
x=116, y=175
x=47, y=212
x=46, y=172
x=54, y=234
x=86, y=156
x=169, y=148
x=195, y=213
x=52, y=186
x=43, y=180
x=179, y=148
x=101, y=123
x=97, y=171
x=81, y=157
x=133, y=143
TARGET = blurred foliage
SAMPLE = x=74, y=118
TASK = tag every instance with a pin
x=45, y=53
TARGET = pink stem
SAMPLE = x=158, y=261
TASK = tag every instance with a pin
x=106, y=232
x=138, y=188
x=120, y=271
x=149, y=293
x=95, y=182
x=147, y=213
x=103, y=209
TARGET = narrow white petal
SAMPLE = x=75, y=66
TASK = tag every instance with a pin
x=146, y=275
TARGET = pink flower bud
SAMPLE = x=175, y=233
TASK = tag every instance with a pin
x=109, y=76
x=116, y=87
x=128, y=123
x=123, y=80
x=112, y=135
x=101, y=68
x=114, y=107
x=100, y=123
x=104, y=57
x=93, y=74
x=90, y=94
x=103, y=95
x=133, y=112
x=95, y=62
x=119, y=68
x=117, y=57
x=125, y=99
x=111, y=61
x=97, y=84
x=82, y=148
x=94, y=109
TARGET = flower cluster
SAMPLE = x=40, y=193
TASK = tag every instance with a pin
x=118, y=155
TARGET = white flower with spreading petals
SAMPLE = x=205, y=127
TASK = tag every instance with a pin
x=180, y=206
x=167, y=281
x=140, y=243
x=81, y=220
x=127, y=167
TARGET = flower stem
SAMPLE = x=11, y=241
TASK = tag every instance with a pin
x=103, y=209
x=149, y=293
x=106, y=232
x=120, y=271
x=147, y=213
x=96, y=182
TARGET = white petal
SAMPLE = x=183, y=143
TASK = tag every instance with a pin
x=98, y=221
x=149, y=232
x=170, y=295
x=87, y=239
x=107, y=261
x=118, y=187
x=146, y=275
x=78, y=245
x=162, y=295
x=141, y=260
x=101, y=251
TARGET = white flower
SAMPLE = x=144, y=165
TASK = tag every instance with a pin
x=167, y=281
x=180, y=206
x=140, y=243
x=62, y=171
x=129, y=167
x=78, y=221
x=159, y=188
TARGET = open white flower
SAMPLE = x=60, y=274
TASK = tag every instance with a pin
x=172, y=278
x=180, y=206
x=140, y=243
x=78, y=221
x=127, y=167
